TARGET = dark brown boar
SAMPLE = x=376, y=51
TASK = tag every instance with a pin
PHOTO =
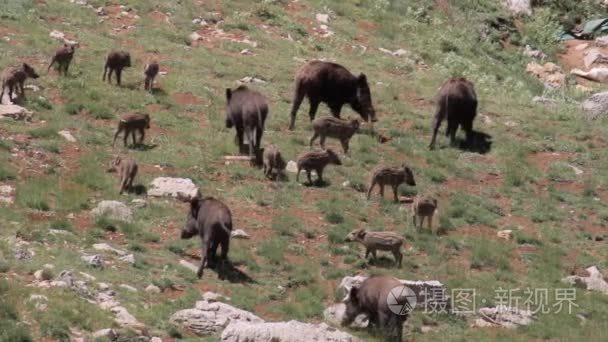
x=372, y=298
x=116, y=61
x=150, y=71
x=273, y=161
x=456, y=102
x=14, y=78
x=329, y=126
x=317, y=161
x=212, y=221
x=393, y=176
x=127, y=170
x=62, y=58
x=246, y=111
x=333, y=85
x=131, y=122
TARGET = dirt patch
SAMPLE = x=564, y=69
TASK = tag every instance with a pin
x=186, y=99
x=120, y=20
x=155, y=108
x=543, y=160
x=573, y=57
x=367, y=26
x=159, y=17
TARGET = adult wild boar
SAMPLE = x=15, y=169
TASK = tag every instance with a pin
x=371, y=298
x=212, y=221
x=456, y=102
x=246, y=111
x=333, y=85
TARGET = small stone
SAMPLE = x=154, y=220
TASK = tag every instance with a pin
x=189, y=265
x=152, y=289
x=127, y=287
x=108, y=333
x=581, y=47
x=103, y=286
x=139, y=203
x=57, y=35
x=114, y=210
x=87, y=276
x=214, y=297
x=239, y=234
x=129, y=258
x=322, y=18
x=246, y=52
x=67, y=135
x=505, y=234
x=93, y=260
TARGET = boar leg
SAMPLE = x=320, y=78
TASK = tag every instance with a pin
x=430, y=222
x=297, y=101
x=118, y=75
x=142, y=134
x=381, y=190
x=314, y=106
x=344, y=145
x=436, y=124
x=395, y=187
x=322, y=141
x=315, y=135
x=398, y=256
x=308, y=175
x=367, y=252
x=298, y=175
x=369, y=191
x=414, y=220
x=320, y=175
x=204, y=255
x=239, y=138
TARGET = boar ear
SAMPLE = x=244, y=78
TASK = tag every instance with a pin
x=362, y=79
x=228, y=94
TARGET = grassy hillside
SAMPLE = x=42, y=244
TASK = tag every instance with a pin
x=296, y=255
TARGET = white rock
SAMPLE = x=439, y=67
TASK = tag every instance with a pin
x=103, y=286
x=114, y=210
x=518, y=6
x=595, y=106
x=32, y=87
x=156, y=339
x=189, y=265
x=125, y=319
x=129, y=258
x=581, y=47
x=505, y=234
x=503, y=316
x=534, y=53
x=139, y=203
x=104, y=247
x=292, y=331
x=108, y=334
x=601, y=41
x=246, y=52
x=334, y=314
x=152, y=289
x=292, y=166
x=57, y=35
x=594, y=56
x=596, y=74
x=213, y=297
x=93, y=260
x=67, y=135
x=576, y=170
x=171, y=187
x=194, y=37
x=239, y=234
x=101, y=12
x=323, y=18
x=87, y=276
x=251, y=79
x=14, y=111
x=127, y=287
x=209, y=318
x=594, y=282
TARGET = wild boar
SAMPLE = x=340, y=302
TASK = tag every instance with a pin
x=424, y=207
x=14, y=78
x=273, y=161
x=211, y=219
x=329, y=126
x=333, y=85
x=127, y=170
x=246, y=111
x=372, y=298
x=383, y=241
x=393, y=176
x=317, y=161
x=63, y=57
x=116, y=61
x=456, y=102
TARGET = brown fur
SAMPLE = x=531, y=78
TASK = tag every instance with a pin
x=370, y=298
x=210, y=219
x=424, y=207
x=273, y=161
x=333, y=85
x=150, y=71
x=246, y=111
x=63, y=57
x=317, y=161
x=127, y=170
x=456, y=102
x=131, y=122
x=116, y=61
x=393, y=176
x=14, y=78
x=329, y=126
x=383, y=241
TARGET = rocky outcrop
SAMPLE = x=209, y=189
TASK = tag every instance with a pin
x=114, y=210
x=595, y=106
x=594, y=281
x=292, y=331
x=172, y=187
x=503, y=316
x=550, y=74
x=211, y=317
